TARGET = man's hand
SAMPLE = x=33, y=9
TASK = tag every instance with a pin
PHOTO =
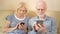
x=39, y=27
x=35, y=27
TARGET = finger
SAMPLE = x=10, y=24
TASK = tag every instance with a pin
x=23, y=26
x=39, y=25
x=20, y=27
x=34, y=24
x=18, y=24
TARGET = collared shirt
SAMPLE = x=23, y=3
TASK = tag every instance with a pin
x=48, y=22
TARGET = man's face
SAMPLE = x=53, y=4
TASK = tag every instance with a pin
x=41, y=8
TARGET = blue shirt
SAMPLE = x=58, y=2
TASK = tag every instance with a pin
x=48, y=22
x=14, y=22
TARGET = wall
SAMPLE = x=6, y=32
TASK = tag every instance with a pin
x=13, y=4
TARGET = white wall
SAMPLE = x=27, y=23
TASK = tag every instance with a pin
x=53, y=5
x=12, y=4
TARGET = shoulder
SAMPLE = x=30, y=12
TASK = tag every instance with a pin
x=51, y=18
x=11, y=15
x=33, y=19
x=27, y=17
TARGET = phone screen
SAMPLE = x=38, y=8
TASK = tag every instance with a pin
x=40, y=22
x=22, y=23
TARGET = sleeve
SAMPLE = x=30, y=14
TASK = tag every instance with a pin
x=8, y=18
x=29, y=25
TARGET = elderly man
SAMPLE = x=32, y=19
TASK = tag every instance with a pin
x=42, y=24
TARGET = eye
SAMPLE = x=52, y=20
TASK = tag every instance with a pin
x=41, y=9
x=38, y=9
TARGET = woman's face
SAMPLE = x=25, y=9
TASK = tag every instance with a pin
x=22, y=11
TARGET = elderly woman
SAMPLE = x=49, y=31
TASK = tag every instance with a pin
x=17, y=23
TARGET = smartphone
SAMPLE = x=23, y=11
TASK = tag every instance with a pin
x=39, y=22
x=22, y=23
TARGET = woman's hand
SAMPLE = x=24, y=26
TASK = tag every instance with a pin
x=16, y=26
x=22, y=27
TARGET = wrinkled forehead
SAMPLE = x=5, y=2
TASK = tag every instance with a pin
x=41, y=4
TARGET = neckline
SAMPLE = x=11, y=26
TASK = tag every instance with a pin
x=45, y=17
x=19, y=18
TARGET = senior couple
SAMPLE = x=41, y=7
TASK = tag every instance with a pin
x=19, y=23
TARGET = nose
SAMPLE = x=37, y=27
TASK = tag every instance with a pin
x=40, y=10
x=21, y=11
